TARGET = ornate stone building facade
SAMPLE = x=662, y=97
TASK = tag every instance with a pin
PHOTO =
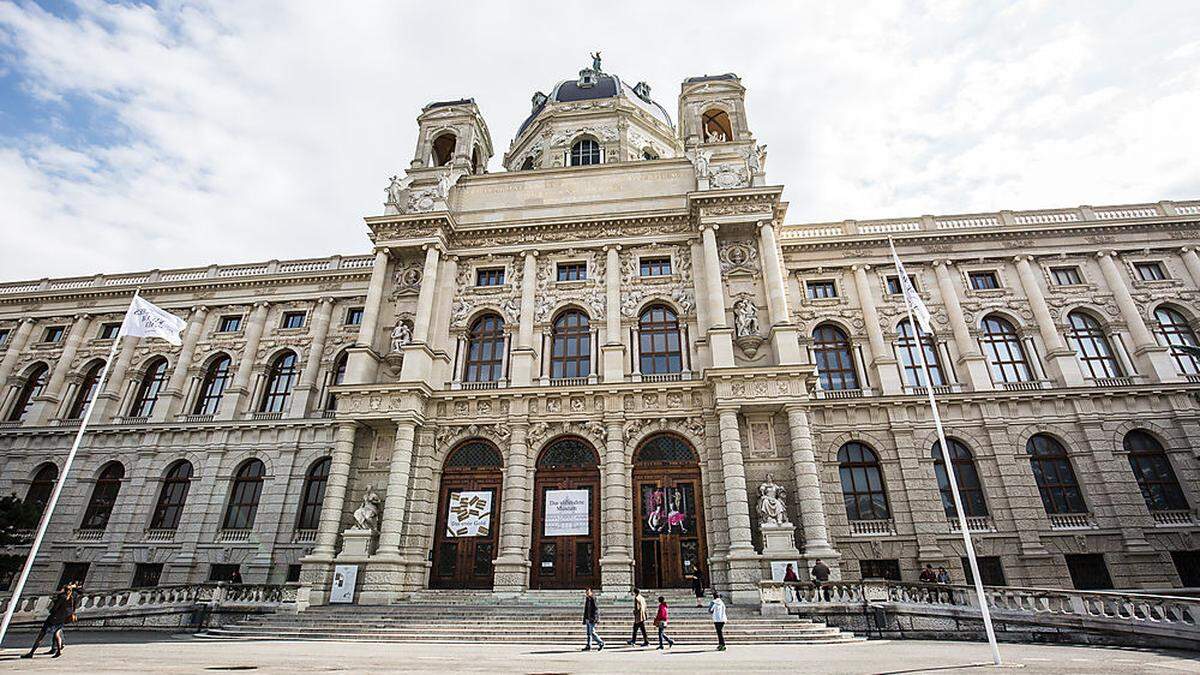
x=579, y=372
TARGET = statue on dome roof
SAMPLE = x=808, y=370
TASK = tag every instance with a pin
x=596, y=61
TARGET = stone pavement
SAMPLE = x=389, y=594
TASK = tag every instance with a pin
x=139, y=652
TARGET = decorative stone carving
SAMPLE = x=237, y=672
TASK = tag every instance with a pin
x=423, y=201
x=756, y=159
x=540, y=432
x=407, y=278
x=739, y=256
x=745, y=317
x=700, y=160
x=401, y=334
x=772, y=509
x=728, y=176
x=366, y=517
x=607, y=133
x=395, y=193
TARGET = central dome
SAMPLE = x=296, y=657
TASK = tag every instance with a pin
x=592, y=84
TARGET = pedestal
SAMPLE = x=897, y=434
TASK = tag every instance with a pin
x=779, y=551
x=356, y=545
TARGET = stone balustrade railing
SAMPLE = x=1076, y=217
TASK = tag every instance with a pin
x=997, y=220
x=1139, y=617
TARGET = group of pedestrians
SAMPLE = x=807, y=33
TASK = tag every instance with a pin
x=662, y=617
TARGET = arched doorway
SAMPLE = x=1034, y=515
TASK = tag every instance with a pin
x=668, y=535
x=566, y=531
x=468, y=517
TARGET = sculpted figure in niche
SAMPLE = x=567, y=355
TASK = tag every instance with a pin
x=401, y=335
x=745, y=317
x=395, y=189
x=366, y=517
x=700, y=160
x=772, y=509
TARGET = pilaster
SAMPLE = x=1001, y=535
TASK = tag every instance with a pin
x=1153, y=359
x=1064, y=366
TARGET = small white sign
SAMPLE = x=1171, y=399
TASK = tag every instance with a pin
x=345, y=577
x=567, y=513
x=779, y=569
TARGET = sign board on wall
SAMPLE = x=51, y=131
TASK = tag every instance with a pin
x=469, y=514
x=779, y=569
x=345, y=578
x=566, y=513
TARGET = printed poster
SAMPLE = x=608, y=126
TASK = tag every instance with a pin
x=469, y=514
x=567, y=513
x=345, y=577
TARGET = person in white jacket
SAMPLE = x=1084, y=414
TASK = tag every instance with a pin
x=717, y=609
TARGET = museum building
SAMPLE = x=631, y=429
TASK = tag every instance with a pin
x=614, y=364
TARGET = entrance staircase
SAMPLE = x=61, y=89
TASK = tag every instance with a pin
x=536, y=617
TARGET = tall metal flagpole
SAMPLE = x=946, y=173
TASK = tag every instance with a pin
x=58, y=488
x=948, y=461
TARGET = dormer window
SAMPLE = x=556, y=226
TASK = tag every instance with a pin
x=587, y=78
x=585, y=152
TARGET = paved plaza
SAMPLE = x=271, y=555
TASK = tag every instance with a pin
x=133, y=652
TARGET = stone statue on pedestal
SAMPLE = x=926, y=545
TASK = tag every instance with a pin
x=401, y=335
x=745, y=317
x=366, y=517
x=772, y=509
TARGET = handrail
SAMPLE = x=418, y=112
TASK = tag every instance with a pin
x=179, y=597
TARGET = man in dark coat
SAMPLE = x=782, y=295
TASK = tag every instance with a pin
x=591, y=616
x=820, y=576
x=62, y=611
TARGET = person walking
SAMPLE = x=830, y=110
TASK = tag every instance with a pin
x=820, y=575
x=698, y=588
x=639, y=619
x=591, y=616
x=717, y=609
x=62, y=611
x=660, y=622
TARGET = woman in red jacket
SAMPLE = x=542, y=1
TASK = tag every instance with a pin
x=660, y=620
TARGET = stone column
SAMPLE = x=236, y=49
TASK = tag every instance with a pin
x=46, y=405
x=173, y=401
x=720, y=336
x=307, y=390
x=234, y=400
x=418, y=357
x=439, y=338
x=613, y=349
x=16, y=344
x=974, y=365
x=108, y=400
x=522, y=356
x=334, y=502
x=360, y=369
x=616, y=565
x=1064, y=366
x=783, y=332
x=809, y=503
x=1153, y=359
x=744, y=571
x=883, y=363
x=1190, y=260
x=397, y=489
x=516, y=515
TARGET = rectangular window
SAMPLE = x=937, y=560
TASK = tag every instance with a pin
x=1150, y=271
x=73, y=572
x=656, y=267
x=984, y=281
x=572, y=271
x=146, y=575
x=109, y=331
x=225, y=572
x=1066, y=276
x=1088, y=572
x=893, y=284
x=293, y=574
x=1187, y=565
x=990, y=571
x=880, y=569
x=293, y=320
x=491, y=276
x=354, y=316
x=818, y=290
x=3, y=336
x=54, y=334
x=229, y=324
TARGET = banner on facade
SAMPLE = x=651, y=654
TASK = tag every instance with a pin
x=469, y=514
x=345, y=578
x=566, y=513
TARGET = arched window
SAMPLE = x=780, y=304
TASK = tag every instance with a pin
x=862, y=483
x=104, y=497
x=485, y=350
x=147, y=392
x=835, y=362
x=906, y=344
x=659, y=347
x=568, y=452
x=663, y=449
x=280, y=380
x=313, y=494
x=474, y=454
x=86, y=391
x=717, y=128
x=1156, y=478
x=243, y=498
x=476, y=161
x=1092, y=345
x=527, y=165
x=41, y=486
x=172, y=496
x=212, y=387
x=571, y=352
x=1173, y=330
x=970, y=488
x=585, y=152
x=35, y=382
x=443, y=149
x=1002, y=345
x=1054, y=475
x=338, y=376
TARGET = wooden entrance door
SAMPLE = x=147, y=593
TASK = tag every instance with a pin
x=566, y=551
x=468, y=518
x=669, y=542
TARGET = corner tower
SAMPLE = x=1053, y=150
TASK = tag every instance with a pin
x=453, y=133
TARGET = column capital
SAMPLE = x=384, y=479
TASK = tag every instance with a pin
x=1187, y=249
x=435, y=246
x=326, y=300
x=450, y=257
x=533, y=252
x=860, y=266
x=942, y=262
x=261, y=304
x=612, y=247
x=1022, y=258
x=1106, y=254
x=709, y=226
x=725, y=409
x=81, y=316
x=26, y=320
x=385, y=250
x=763, y=223
x=200, y=309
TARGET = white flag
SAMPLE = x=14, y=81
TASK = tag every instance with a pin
x=919, y=310
x=146, y=320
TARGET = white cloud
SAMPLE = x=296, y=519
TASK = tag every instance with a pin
x=249, y=131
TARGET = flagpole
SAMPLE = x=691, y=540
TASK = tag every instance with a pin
x=48, y=511
x=948, y=462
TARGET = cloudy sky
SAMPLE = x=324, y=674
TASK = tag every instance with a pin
x=139, y=136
